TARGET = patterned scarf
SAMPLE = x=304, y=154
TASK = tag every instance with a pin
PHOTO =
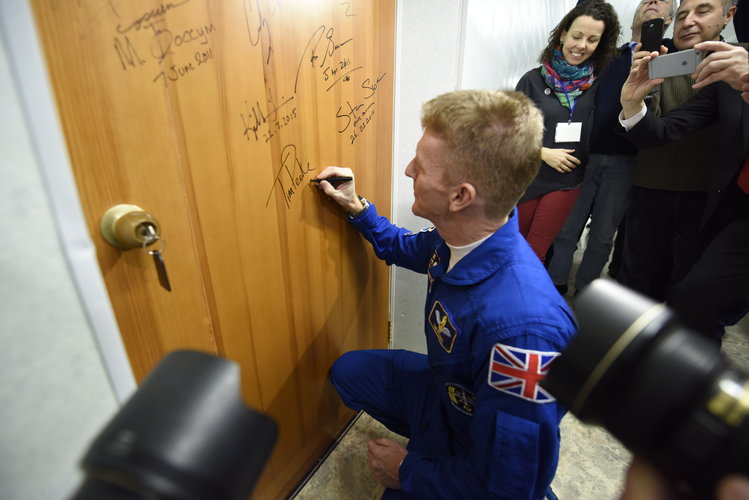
x=575, y=79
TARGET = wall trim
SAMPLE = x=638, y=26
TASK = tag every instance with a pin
x=29, y=76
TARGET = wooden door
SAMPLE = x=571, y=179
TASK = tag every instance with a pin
x=213, y=116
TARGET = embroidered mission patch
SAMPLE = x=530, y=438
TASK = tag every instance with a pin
x=425, y=230
x=519, y=371
x=433, y=261
x=446, y=332
x=461, y=398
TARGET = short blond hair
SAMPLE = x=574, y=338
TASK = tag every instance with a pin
x=494, y=142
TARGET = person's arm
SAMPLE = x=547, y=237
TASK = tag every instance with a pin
x=384, y=457
x=695, y=114
x=343, y=193
x=515, y=443
x=633, y=120
x=561, y=160
x=745, y=87
x=727, y=63
x=638, y=84
x=642, y=127
x=393, y=244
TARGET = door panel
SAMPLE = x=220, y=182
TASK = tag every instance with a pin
x=213, y=116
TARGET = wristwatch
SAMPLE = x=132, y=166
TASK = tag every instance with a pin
x=364, y=202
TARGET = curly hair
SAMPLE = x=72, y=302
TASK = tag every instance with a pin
x=600, y=11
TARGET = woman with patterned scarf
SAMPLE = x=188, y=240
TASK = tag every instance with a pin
x=563, y=88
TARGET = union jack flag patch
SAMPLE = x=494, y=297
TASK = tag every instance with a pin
x=519, y=371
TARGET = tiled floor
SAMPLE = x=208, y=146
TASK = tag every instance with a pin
x=590, y=467
x=591, y=463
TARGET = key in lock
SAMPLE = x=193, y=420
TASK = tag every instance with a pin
x=128, y=226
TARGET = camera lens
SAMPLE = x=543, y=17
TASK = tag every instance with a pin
x=185, y=434
x=666, y=392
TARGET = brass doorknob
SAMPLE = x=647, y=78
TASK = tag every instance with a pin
x=129, y=226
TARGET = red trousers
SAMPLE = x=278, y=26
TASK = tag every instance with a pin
x=542, y=218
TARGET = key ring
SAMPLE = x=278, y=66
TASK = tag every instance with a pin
x=151, y=252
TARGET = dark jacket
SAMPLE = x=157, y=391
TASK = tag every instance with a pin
x=533, y=85
x=682, y=165
x=604, y=139
x=716, y=103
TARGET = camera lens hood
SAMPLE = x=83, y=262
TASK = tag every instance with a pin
x=664, y=391
x=608, y=339
x=184, y=434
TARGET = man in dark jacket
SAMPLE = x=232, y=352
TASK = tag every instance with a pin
x=720, y=278
x=670, y=182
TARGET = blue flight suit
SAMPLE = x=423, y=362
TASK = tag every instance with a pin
x=478, y=423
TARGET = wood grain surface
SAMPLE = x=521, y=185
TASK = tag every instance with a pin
x=213, y=116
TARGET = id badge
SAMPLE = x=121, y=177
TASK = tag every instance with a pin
x=568, y=132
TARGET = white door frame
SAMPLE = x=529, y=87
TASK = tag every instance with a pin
x=29, y=75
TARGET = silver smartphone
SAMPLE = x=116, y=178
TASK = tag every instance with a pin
x=683, y=62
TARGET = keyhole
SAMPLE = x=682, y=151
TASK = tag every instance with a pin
x=147, y=232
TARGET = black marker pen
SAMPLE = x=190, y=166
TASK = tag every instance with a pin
x=334, y=178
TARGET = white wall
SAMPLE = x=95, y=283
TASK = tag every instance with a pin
x=54, y=391
x=444, y=45
x=53, y=388
x=504, y=39
x=427, y=52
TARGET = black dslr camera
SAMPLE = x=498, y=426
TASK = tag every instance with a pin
x=666, y=392
x=184, y=435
